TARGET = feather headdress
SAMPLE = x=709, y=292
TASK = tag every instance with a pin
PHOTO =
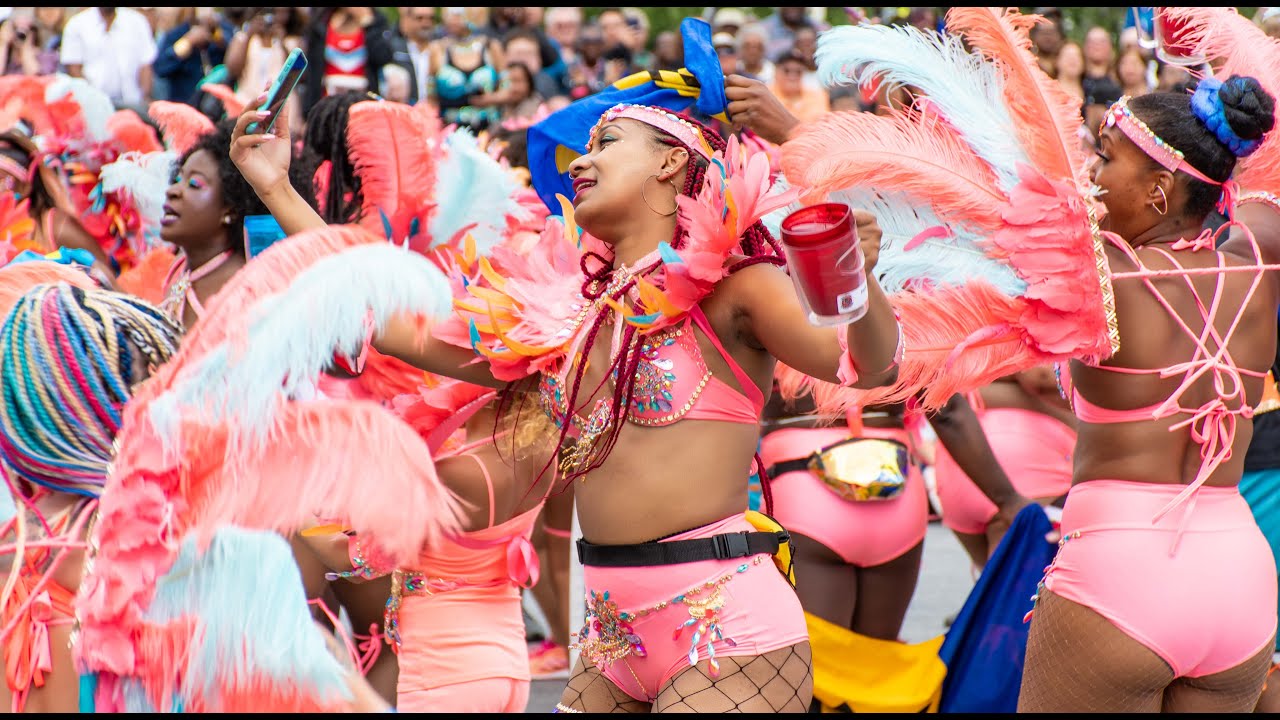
x=1234, y=45
x=988, y=253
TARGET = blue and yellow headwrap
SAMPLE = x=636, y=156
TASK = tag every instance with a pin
x=561, y=138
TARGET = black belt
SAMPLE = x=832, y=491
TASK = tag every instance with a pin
x=719, y=547
x=782, y=468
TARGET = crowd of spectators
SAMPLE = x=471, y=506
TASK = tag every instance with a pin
x=505, y=66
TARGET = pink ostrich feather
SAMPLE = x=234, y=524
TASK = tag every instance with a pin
x=1046, y=118
x=230, y=102
x=1234, y=45
x=905, y=153
x=181, y=124
x=395, y=149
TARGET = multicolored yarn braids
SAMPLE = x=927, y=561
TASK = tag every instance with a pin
x=71, y=357
x=757, y=246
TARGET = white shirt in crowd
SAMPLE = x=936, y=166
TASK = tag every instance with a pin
x=421, y=58
x=110, y=59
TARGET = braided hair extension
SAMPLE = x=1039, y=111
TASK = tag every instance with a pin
x=71, y=357
x=326, y=139
x=757, y=246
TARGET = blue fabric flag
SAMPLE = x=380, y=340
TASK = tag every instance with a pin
x=985, y=648
x=560, y=138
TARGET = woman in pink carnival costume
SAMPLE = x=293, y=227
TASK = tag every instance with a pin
x=685, y=290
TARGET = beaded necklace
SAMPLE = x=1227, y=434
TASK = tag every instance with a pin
x=181, y=284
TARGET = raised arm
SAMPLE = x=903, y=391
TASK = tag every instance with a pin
x=778, y=323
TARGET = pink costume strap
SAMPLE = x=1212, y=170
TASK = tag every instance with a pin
x=661, y=118
x=1212, y=425
x=749, y=388
x=1170, y=158
x=184, y=283
x=50, y=240
x=555, y=532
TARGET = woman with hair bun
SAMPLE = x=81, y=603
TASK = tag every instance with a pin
x=1162, y=596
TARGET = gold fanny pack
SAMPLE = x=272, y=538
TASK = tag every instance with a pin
x=858, y=469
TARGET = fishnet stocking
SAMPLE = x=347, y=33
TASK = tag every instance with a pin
x=780, y=681
x=1077, y=661
x=589, y=691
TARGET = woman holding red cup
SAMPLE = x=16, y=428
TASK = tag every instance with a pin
x=676, y=320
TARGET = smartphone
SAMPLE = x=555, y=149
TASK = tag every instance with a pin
x=285, y=82
x=260, y=233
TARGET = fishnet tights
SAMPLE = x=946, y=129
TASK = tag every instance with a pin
x=1077, y=661
x=780, y=681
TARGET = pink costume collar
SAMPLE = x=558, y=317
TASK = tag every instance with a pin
x=661, y=118
x=1169, y=157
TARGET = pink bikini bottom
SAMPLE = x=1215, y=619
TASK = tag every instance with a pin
x=634, y=612
x=1204, y=601
x=1034, y=449
x=864, y=534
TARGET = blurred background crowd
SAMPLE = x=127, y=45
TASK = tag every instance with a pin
x=505, y=67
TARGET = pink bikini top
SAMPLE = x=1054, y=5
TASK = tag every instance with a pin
x=497, y=555
x=673, y=382
x=1213, y=424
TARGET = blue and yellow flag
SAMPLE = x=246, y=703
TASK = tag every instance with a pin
x=562, y=137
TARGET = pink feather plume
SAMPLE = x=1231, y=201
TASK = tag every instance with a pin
x=230, y=102
x=1046, y=117
x=132, y=133
x=394, y=148
x=1234, y=45
x=181, y=124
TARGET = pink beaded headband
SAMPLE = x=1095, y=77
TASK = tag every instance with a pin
x=663, y=119
x=12, y=167
x=1169, y=157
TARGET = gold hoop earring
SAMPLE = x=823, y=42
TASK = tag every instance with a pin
x=646, y=200
x=1166, y=202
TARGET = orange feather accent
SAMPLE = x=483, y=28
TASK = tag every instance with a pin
x=146, y=279
x=1046, y=118
x=23, y=97
x=181, y=124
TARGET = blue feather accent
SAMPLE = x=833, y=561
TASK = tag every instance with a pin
x=474, y=335
x=88, y=692
x=669, y=254
x=386, y=225
x=246, y=594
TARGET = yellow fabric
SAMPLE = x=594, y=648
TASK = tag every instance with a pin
x=782, y=558
x=871, y=675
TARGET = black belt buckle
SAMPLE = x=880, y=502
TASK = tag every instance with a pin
x=731, y=545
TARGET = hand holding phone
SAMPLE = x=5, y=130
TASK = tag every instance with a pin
x=285, y=82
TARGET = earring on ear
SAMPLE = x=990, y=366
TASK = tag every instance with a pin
x=646, y=200
x=226, y=219
x=1164, y=197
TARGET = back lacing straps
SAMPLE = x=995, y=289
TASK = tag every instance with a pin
x=1213, y=424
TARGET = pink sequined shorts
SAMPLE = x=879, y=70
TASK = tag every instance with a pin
x=645, y=625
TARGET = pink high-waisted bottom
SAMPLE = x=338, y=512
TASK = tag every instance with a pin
x=1204, y=602
x=1034, y=449
x=864, y=534
x=760, y=611
x=491, y=695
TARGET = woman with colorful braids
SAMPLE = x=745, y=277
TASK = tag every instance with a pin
x=681, y=303
x=72, y=355
x=1162, y=596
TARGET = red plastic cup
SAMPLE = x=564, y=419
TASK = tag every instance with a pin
x=826, y=263
x=1171, y=42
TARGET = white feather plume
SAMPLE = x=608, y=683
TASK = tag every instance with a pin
x=953, y=260
x=144, y=177
x=472, y=187
x=94, y=104
x=292, y=336
x=956, y=82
